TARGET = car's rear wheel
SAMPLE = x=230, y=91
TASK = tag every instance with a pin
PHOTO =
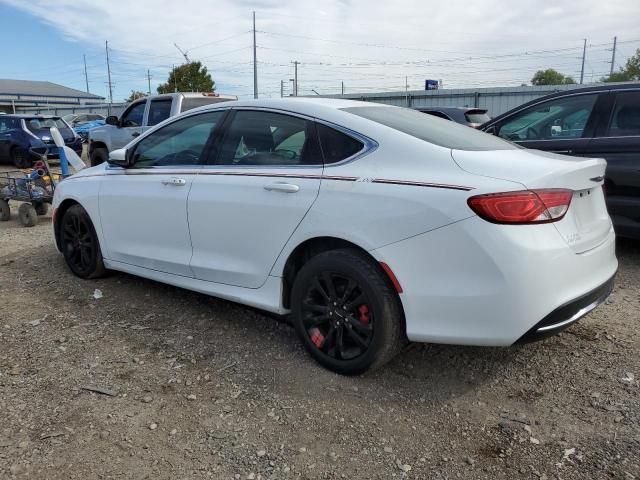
x=98, y=155
x=346, y=312
x=20, y=158
x=79, y=243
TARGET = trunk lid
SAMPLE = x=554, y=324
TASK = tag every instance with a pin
x=586, y=224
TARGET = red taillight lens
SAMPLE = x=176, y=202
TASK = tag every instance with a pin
x=522, y=207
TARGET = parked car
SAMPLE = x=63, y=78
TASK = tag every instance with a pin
x=77, y=119
x=471, y=117
x=369, y=223
x=141, y=115
x=23, y=138
x=602, y=121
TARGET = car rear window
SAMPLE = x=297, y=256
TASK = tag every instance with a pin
x=189, y=103
x=35, y=124
x=431, y=129
x=477, y=116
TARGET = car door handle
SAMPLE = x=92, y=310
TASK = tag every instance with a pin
x=135, y=134
x=282, y=187
x=178, y=182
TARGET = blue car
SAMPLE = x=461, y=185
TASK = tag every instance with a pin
x=25, y=138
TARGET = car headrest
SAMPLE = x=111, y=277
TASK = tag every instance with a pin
x=628, y=117
x=258, y=137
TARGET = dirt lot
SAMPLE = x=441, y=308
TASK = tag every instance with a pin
x=202, y=388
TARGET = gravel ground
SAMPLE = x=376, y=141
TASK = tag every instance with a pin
x=189, y=386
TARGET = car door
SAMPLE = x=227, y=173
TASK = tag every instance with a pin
x=143, y=208
x=618, y=141
x=129, y=125
x=262, y=179
x=562, y=124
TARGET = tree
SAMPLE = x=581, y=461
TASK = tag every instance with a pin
x=135, y=94
x=628, y=73
x=551, y=77
x=190, y=77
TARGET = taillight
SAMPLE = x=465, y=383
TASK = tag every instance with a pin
x=522, y=207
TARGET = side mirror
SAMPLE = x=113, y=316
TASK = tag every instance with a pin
x=111, y=120
x=120, y=158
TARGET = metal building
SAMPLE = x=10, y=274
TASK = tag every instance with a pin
x=24, y=95
x=496, y=100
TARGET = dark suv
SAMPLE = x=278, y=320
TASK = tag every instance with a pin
x=24, y=137
x=602, y=121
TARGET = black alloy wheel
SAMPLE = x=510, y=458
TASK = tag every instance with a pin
x=337, y=317
x=346, y=311
x=79, y=243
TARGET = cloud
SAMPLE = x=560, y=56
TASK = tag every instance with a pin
x=370, y=45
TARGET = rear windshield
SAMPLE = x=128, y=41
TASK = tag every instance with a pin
x=431, y=129
x=477, y=116
x=35, y=124
x=193, y=102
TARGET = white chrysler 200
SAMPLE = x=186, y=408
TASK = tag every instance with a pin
x=370, y=224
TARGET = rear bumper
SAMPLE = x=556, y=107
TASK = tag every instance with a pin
x=568, y=314
x=475, y=283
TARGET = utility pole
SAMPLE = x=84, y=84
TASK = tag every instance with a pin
x=175, y=80
x=86, y=77
x=281, y=88
x=613, y=55
x=255, y=60
x=106, y=46
x=406, y=90
x=342, y=88
x=295, y=78
x=149, y=81
x=584, y=54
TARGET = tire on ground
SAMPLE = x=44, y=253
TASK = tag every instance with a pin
x=388, y=326
x=27, y=215
x=42, y=208
x=5, y=210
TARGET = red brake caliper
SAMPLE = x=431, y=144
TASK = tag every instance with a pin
x=316, y=337
x=364, y=314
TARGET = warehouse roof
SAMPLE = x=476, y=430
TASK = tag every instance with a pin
x=41, y=89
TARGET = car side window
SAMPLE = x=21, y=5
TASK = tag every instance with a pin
x=557, y=119
x=337, y=146
x=179, y=143
x=159, y=111
x=134, y=115
x=625, y=121
x=258, y=138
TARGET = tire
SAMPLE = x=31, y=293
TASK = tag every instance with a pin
x=42, y=208
x=79, y=244
x=20, y=158
x=98, y=155
x=5, y=210
x=361, y=303
x=27, y=215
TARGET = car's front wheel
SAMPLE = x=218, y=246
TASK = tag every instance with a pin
x=79, y=243
x=346, y=312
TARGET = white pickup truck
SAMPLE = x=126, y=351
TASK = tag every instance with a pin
x=141, y=115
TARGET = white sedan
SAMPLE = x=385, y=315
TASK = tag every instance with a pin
x=369, y=224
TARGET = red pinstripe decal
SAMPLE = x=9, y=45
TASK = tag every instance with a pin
x=422, y=184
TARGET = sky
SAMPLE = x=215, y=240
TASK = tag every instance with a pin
x=367, y=45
